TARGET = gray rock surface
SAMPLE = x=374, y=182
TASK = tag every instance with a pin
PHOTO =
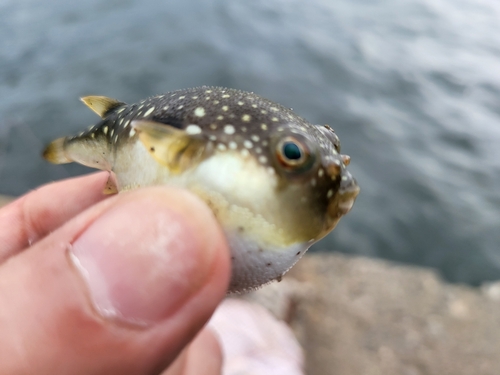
x=356, y=315
x=4, y=200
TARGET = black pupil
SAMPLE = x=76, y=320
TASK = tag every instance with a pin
x=291, y=151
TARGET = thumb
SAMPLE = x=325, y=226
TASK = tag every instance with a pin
x=121, y=288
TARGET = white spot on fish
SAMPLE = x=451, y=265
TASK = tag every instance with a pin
x=112, y=132
x=274, y=109
x=181, y=97
x=213, y=126
x=132, y=133
x=180, y=107
x=105, y=130
x=244, y=129
x=254, y=105
x=240, y=103
x=255, y=138
x=194, y=97
x=193, y=129
x=220, y=117
x=246, y=118
x=321, y=172
x=221, y=147
x=263, y=159
x=263, y=126
x=199, y=112
x=247, y=143
x=226, y=96
x=212, y=137
x=271, y=170
x=313, y=182
x=120, y=110
x=149, y=111
x=165, y=108
x=233, y=145
x=258, y=150
x=275, y=119
x=229, y=129
x=216, y=102
x=225, y=108
x=208, y=91
x=245, y=152
x=263, y=112
x=329, y=194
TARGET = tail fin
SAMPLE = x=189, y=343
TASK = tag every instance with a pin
x=55, y=152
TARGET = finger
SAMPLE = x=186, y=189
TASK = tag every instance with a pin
x=31, y=217
x=202, y=356
x=120, y=289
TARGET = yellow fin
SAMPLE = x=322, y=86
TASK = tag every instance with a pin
x=87, y=151
x=101, y=104
x=111, y=185
x=55, y=152
x=172, y=147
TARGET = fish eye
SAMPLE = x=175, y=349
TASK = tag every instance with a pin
x=292, y=153
x=291, y=150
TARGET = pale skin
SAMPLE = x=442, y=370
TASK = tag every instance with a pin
x=96, y=284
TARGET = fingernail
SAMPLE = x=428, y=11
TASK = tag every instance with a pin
x=141, y=261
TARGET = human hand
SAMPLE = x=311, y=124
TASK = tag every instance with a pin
x=91, y=284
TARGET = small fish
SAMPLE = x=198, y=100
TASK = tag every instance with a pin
x=275, y=182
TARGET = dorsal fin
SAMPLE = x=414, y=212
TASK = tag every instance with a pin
x=101, y=105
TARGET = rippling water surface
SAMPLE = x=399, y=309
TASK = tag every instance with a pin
x=412, y=88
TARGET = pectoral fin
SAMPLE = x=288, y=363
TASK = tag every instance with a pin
x=172, y=147
x=101, y=105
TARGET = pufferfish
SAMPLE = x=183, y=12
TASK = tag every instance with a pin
x=275, y=182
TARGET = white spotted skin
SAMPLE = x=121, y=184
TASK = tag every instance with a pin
x=230, y=159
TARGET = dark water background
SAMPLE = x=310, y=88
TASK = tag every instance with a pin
x=411, y=87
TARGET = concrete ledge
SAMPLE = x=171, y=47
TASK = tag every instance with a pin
x=355, y=315
x=4, y=200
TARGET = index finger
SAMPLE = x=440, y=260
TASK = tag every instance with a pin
x=31, y=217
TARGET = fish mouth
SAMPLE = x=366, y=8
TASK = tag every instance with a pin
x=346, y=202
x=342, y=203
